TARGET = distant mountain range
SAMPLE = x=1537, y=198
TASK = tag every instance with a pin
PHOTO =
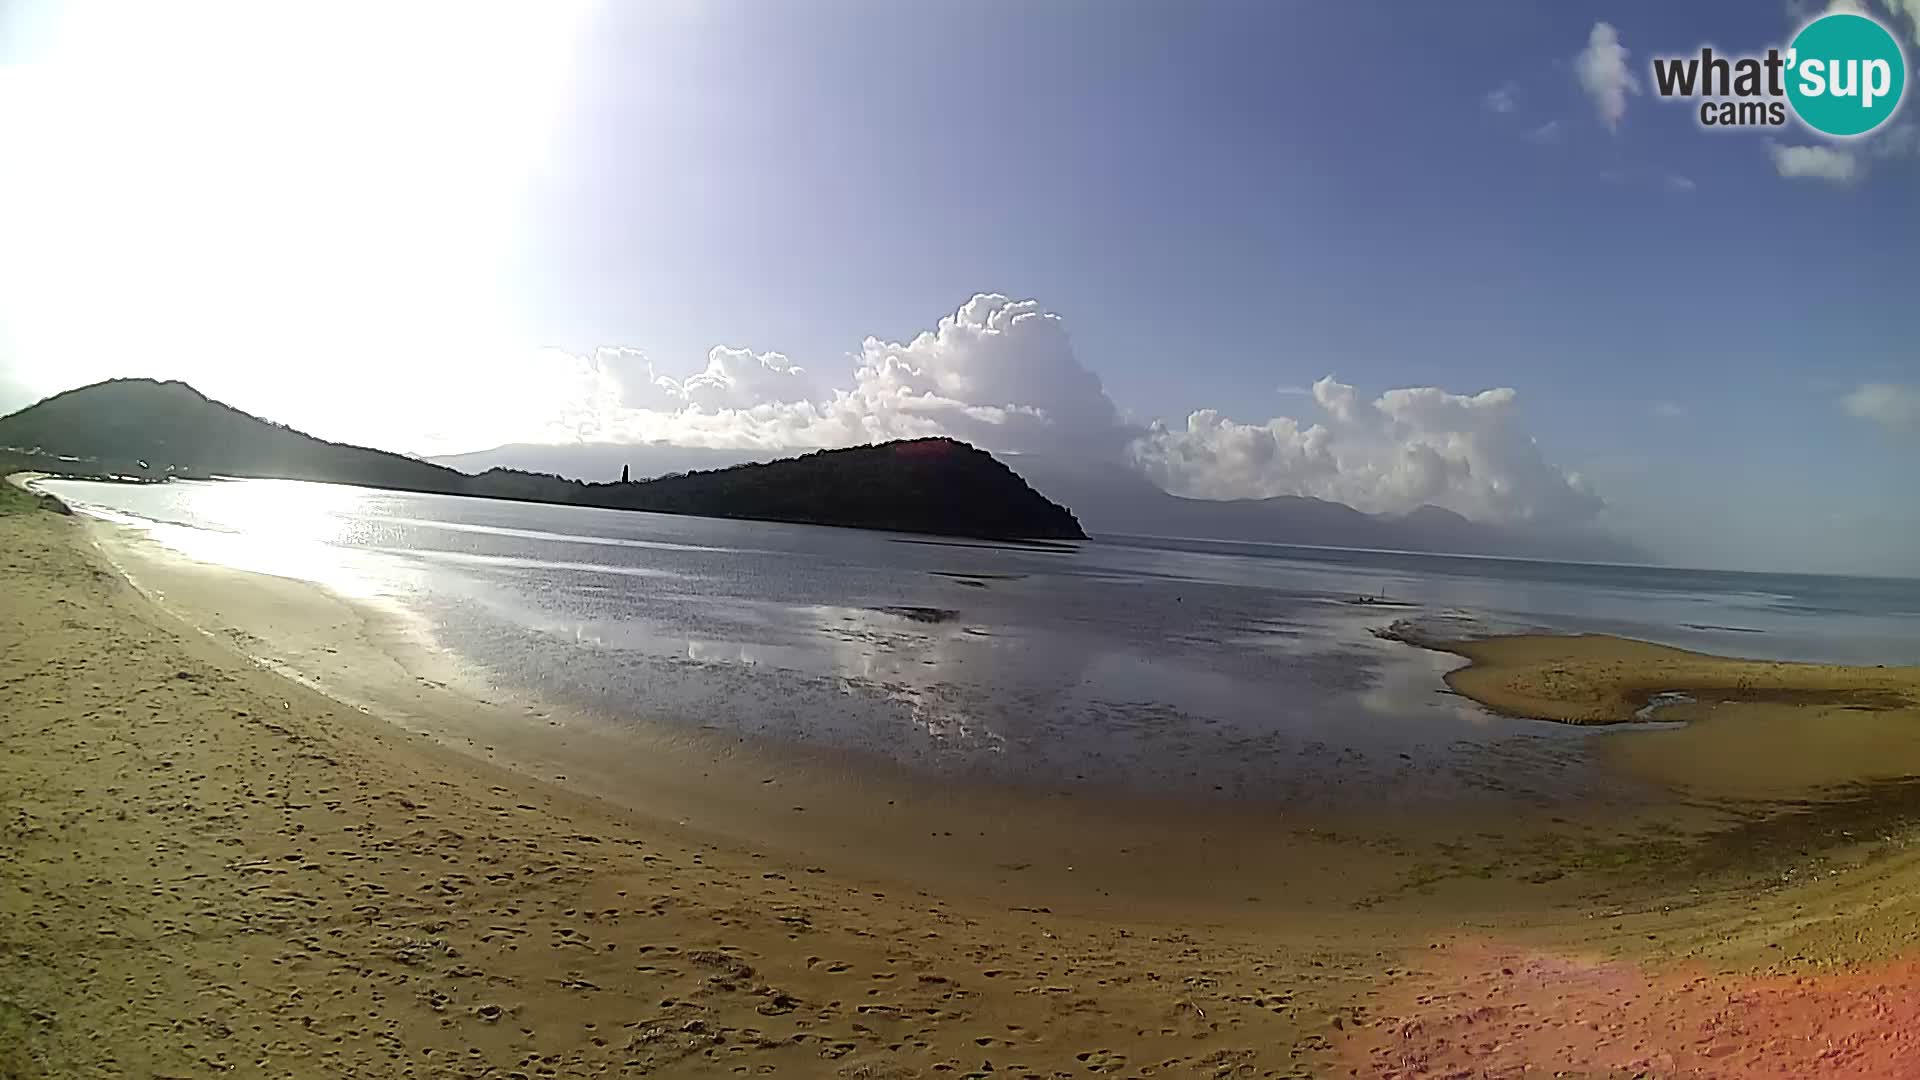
x=156, y=430
x=1112, y=499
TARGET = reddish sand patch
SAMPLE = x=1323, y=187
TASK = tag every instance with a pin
x=1481, y=1012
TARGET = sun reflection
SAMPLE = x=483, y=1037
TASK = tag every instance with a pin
x=290, y=511
x=285, y=528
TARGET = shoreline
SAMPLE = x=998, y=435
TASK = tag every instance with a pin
x=1088, y=851
x=219, y=869
x=1091, y=851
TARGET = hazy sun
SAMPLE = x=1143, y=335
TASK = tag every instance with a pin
x=259, y=194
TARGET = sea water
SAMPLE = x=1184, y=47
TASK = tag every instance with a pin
x=1186, y=666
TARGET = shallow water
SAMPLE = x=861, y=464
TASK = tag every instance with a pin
x=1182, y=667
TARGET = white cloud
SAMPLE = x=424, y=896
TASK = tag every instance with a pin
x=1911, y=10
x=1815, y=162
x=742, y=378
x=1670, y=410
x=1294, y=391
x=1888, y=404
x=997, y=372
x=1406, y=448
x=1602, y=70
x=1548, y=132
x=1676, y=182
x=1002, y=374
x=1502, y=99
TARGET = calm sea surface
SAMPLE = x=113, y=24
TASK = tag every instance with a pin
x=1185, y=666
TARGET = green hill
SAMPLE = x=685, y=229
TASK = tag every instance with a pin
x=172, y=424
x=158, y=429
x=922, y=485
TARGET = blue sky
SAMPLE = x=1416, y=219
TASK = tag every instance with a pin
x=1278, y=190
x=1218, y=201
x=1225, y=199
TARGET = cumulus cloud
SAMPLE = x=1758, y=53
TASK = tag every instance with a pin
x=733, y=379
x=1401, y=450
x=998, y=372
x=1887, y=404
x=1003, y=374
x=1846, y=164
x=1814, y=162
x=1602, y=70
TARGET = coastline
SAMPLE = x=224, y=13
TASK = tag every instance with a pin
x=1085, y=851
x=225, y=870
x=222, y=869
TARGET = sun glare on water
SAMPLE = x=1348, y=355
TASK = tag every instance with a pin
x=284, y=528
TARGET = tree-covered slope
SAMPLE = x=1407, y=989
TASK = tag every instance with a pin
x=923, y=485
x=172, y=424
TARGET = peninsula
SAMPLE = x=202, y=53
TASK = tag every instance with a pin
x=147, y=430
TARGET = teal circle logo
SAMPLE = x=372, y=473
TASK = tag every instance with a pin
x=1845, y=74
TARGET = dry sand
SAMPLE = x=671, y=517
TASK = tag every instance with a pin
x=212, y=870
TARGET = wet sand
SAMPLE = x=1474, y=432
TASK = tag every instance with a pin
x=1598, y=679
x=211, y=868
x=1084, y=849
x=1809, y=966
x=1726, y=730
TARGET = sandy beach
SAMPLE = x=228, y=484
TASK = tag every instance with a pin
x=212, y=867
